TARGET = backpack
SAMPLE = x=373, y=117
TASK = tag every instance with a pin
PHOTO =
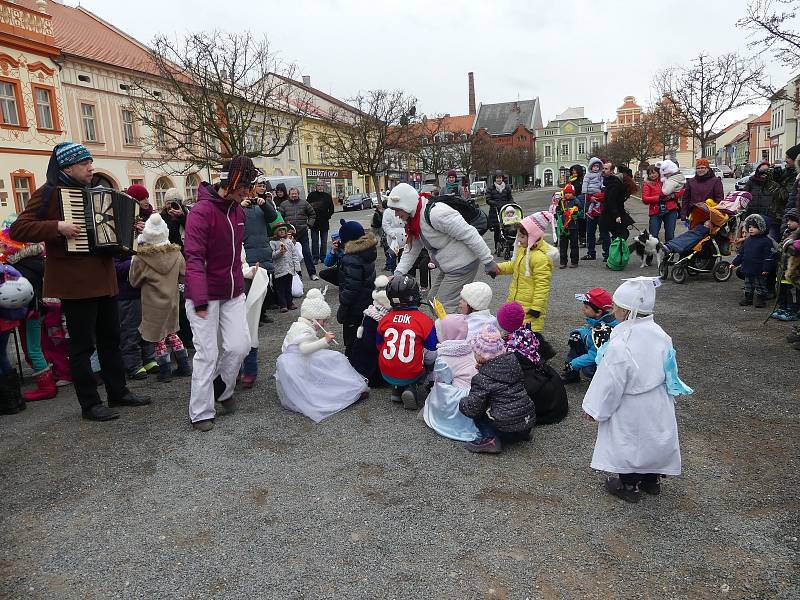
x=618, y=255
x=466, y=208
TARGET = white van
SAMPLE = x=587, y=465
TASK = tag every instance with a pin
x=477, y=188
x=289, y=182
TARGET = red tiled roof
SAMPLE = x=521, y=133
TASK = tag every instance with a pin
x=82, y=34
x=765, y=118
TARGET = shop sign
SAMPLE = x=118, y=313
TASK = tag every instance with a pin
x=329, y=173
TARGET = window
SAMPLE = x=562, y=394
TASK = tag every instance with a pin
x=581, y=148
x=321, y=151
x=308, y=152
x=128, y=128
x=23, y=186
x=547, y=151
x=192, y=183
x=161, y=136
x=162, y=185
x=43, y=98
x=564, y=149
x=765, y=155
x=595, y=146
x=137, y=181
x=9, y=106
x=253, y=140
x=89, y=128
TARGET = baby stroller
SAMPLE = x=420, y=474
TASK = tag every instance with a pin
x=702, y=249
x=510, y=216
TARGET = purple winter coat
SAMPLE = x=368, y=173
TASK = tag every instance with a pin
x=699, y=190
x=213, y=247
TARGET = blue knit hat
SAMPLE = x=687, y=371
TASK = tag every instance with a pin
x=350, y=230
x=70, y=153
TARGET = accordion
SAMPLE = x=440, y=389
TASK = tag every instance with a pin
x=107, y=219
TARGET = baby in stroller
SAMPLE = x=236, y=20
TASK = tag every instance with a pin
x=700, y=250
x=510, y=216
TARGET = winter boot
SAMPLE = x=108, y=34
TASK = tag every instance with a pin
x=45, y=387
x=164, y=369
x=758, y=302
x=11, y=401
x=746, y=301
x=184, y=368
x=409, y=398
x=151, y=366
x=396, y=392
x=629, y=493
x=650, y=484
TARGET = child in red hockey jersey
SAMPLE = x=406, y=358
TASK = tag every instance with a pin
x=403, y=336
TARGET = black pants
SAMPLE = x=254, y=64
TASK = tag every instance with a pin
x=582, y=230
x=349, y=333
x=94, y=322
x=569, y=241
x=635, y=478
x=283, y=290
x=185, y=331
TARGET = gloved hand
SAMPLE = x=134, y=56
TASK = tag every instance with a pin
x=567, y=370
x=491, y=269
x=533, y=313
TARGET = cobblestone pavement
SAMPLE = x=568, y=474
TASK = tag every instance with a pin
x=372, y=504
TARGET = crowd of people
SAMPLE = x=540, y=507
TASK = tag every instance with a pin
x=205, y=276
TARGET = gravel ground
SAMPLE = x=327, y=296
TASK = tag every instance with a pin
x=372, y=504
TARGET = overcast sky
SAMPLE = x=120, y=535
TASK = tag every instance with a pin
x=566, y=52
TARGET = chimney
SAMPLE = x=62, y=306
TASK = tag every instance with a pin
x=307, y=80
x=471, y=93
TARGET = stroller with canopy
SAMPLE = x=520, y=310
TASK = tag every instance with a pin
x=510, y=216
x=712, y=228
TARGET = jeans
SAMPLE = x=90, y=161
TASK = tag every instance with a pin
x=94, y=322
x=755, y=284
x=302, y=237
x=319, y=244
x=591, y=240
x=135, y=351
x=488, y=430
x=669, y=219
x=250, y=363
x=5, y=364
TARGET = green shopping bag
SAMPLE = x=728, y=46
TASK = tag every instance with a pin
x=618, y=254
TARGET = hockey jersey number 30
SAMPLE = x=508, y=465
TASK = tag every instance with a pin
x=402, y=336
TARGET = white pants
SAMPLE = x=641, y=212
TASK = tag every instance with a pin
x=226, y=323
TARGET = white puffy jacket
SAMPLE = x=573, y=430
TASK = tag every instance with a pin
x=452, y=242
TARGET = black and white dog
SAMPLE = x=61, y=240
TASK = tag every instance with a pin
x=647, y=247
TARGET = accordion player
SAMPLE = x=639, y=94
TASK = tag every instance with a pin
x=107, y=219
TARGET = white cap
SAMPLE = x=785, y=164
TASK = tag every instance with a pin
x=404, y=197
x=314, y=307
x=155, y=232
x=638, y=295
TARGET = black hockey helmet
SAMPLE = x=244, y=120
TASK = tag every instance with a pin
x=403, y=290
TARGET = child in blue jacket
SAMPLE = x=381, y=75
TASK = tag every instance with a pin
x=757, y=260
x=584, y=341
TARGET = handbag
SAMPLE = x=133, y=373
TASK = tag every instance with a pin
x=297, y=286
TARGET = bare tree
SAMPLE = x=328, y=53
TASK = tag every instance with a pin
x=211, y=96
x=434, y=145
x=773, y=29
x=362, y=137
x=616, y=152
x=641, y=140
x=667, y=128
x=464, y=156
x=710, y=88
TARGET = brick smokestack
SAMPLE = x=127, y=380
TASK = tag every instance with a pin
x=471, y=77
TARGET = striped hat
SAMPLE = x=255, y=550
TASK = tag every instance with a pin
x=70, y=153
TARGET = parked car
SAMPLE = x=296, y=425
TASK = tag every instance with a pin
x=428, y=188
x=740, y=183
x=357, y=202
x=688, y=172
x=477, y=188
x=717, y=171
x=374, y=202
x=726, y=171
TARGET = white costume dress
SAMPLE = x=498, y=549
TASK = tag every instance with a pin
x=628, y=397
x=452, y=374
x=310, y=378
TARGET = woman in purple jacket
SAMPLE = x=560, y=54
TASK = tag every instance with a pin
x=215, y=290
x=704, y=185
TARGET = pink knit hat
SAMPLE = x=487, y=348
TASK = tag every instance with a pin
x=452, y=327
x=536, y=225
x=488, y=344
x=511, y=316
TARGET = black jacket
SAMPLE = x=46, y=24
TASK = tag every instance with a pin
x=174, y=225
x=356, y=279
x=762, y=198
x=496, y=200
x=322, y=203
x=498, y=391
x=546, y=389
x=614, y=206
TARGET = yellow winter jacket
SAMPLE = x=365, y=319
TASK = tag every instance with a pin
x=532, y=290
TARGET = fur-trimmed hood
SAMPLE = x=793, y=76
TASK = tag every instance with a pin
x=160, y=258
x=365, y=242
x=758, y=221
